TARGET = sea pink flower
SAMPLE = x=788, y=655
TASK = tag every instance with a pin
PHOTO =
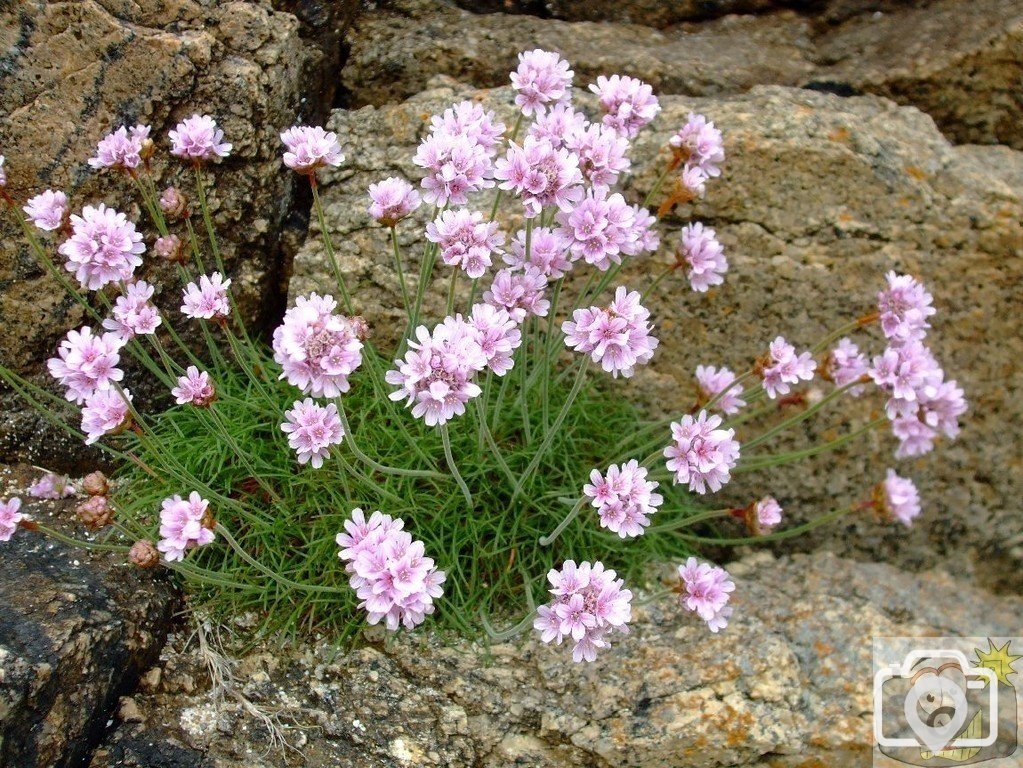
x=712, y=381
x=9, y=514
x=600, y=229
x=312, y=429
x=519, y=292
x=169, y=247
x=46, y=210
x=602, y=154
x=624, y=498
x=701, y=144
x=618, y=337
x=121, y=149
x=392, y=200
x=541, y=80
x=627, y=103
x=184, y=525
x=701, y=454
x=589, y=603
x=497, y=334
x=845, y=365
x=784, y=367
x=173, y=202
x=541, y=175
x=644, y=230
x=389, y=571
x=548, y=252
x=904, y=307
x=694, y=179
x=766, y=514
x=309, y=148
x=470, y=119
x=465, y=240
x=557, y=125
x=455, y=165
x=104, y=247
x=133, y=313
x=700, y=250
x=105, y=412
x=317, y=349
x=208, y=299
x=52, y=486
x=86, y=362
x=898, y=499
x=194, y=387
x=198, y=138
x=706, y=590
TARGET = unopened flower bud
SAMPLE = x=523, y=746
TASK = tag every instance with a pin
x=761, y=516
x=360, y=327
x=208, y=521
x=169, y=248
x=95, y=512
x=144, y=554
x=95, y=484
x=148, y=150
x=174, y=203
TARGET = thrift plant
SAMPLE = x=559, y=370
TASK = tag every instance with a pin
x=500, y=478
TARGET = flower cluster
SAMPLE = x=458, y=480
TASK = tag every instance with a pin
x=601, y=228
x=897, y=498
x=589, y=603
x=133, y=313
x=763, y=515
x=784, y=367
x=391, y=200
x=701, y=454
x=106, y=412
x=184, y=525
x=458, y=155
x=602, y=154
x=542, y=80
x=702, y=256
x=389, y=571
x=104, y=247
x=618, y=336
x=122, y=148
x=310, y=148
x=207, y=299
x=520, y=292
x=465, y=240
x=624, y=498
x=701, y=151
x=197, y=138
x=548, y=252
x=52, y=486
x=195, y=388
x=846, y=365
x=705, y=590
x=312, y=429
x=47, y=210
x=720, y=384
x=627, y=103
x=497, y=334
x=540, y=175
x=86, y=362
x=10, y=516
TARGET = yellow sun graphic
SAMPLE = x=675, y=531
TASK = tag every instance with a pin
x=998, y=660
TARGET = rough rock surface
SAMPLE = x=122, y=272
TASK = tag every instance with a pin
x=786, y=684
x=821, y=196
x=76, y=630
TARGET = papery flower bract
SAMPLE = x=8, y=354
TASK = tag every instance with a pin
x=455, y=165
x=195, y=387
x=389, y=571
x=541, y=175
x=521, y=292
x=392, y=200
x=713, y=381
x=497, y=334
x=542, y=79
x=317, y=349
x=96, y=484
x=198, y=138
x=95, y=512
x=845, y=365
x=701, y=144
x=470, y=119
x=701, y=454
x=618, y=336
x=104, y=247
x=144, y=554
x=465, y=240
x=208, y=299
x=312, y=429
x=86, y=362
x=309, y=148
x=765, y=514
x=184, y=525
x=627, y=103
x=602, y=154
x=706, y=589
x=548, y=252
x=46, y=210
x=121, y=148
x=904, y=307
x=704, y=256
x=897, y=498
x=624, y=498
x=133, y=312
x=52, y=486
x=557, y=125
x=105, y=412
x=9, y=510
x=600, y=228
x=784, y=367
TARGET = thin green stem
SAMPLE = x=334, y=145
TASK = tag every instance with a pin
x=546, y=541
x=80, y=543
x=376, y=465
x=328, y=245
x=401, y=272
x=446, y=439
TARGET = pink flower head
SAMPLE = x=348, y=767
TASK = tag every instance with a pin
x=121, y=149
x=904, y=307
x=470, y=119
x=700, y=250
x=845, y=365
x=618, y=336
x=309, y=148
x=898, y=499
x=702, y=454
x=600, y=229
x=588, y=603
x=519, y=292
x=133, y=312
x=465, y=240
x=436, y=376
x=644, y=230
x=905, y=372
x=706, y=589
x=456, y=166
x=208, y=299
x=627, y=103
x=312, y=429
x=784, y=367
x=541, y=175
x=198, y=138
x=169, y=247
x=86, y=362
x=694, y=179
x=105, y=412
x=548, y=252
x=46, y=210
x=194, y=387
x=541, y=80
x=602, y=154
x=392, y=200
x=104, y=247
x=766, y=513
x=624, y=498
x=52, y=486
x=317, y=349
x=701, y=145
x=9, y=514
x=184, y=525
x=713, y=381
x=389, y=571
x=173, y=202
x=497, y=334
x=557, y=125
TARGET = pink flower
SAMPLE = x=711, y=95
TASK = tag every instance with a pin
x=173, y=202
x=627, y=103
x=624, y=498
x=104, y=247
x=600, y=229
x=548, y=252
x=766, y=514
x=644, y=230
x=845, y=365
x=700, y=250
x=701, y=145
x=784, y=367
x=3, y=173
x=198, y=138
x=46, y=210
x=52, y=486
x=194, y=387
x=519, y=292
x=701, y=454
x=618, y=337
x=389, y=571
x=392, y=200
x=904, y=307
x=184, y=525
x=86, y=362
x=312, y=429
x=470, y=119
x=208, y=299
x=589, y=603
x=121, y=149
x=706, y=590
x=694, y=178
x=712, y=381
x=105, y=412
x=133, y=313
x=465, y=240
x=601, y=153
x=317, y=349
x=557, y=125
x=169, y=247
x=9, y=514
x=309, y=148
x=455, y=165
x=542, y=79
x=497, y=334
x=541, y=175
x=898, y=498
